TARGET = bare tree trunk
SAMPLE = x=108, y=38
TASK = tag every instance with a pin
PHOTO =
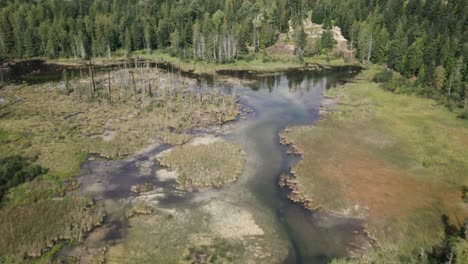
x=450, y=260
x=83, y=51
x=1, y=78
x=255, y=40
x=450, y=85
x=91, y=72
x=369, y=51
x=108, y=51
x=134, y=85
x=109, y=91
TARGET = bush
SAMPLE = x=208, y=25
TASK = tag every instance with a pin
x=248, y=57
x=383, y=76
x=463, y=115
x=15, y=170
x=393, y=82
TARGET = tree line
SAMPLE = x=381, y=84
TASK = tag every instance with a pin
x=212, y=30
x=424, y=40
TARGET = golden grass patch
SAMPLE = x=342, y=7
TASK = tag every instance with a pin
x=204, y=165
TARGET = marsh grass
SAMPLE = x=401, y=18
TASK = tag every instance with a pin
x=60, y=129
x=402, y=156
x=205, y=165
x=29, y=230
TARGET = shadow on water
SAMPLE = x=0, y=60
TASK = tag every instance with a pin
x=39, y=71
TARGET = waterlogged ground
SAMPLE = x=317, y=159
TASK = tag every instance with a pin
x=248, y=221
x=150, y=216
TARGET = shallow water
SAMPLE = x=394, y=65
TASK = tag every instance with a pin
x=278, y=100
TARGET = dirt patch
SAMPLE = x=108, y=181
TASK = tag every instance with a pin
x=204, y=140
x=231, y=221
x=166, y=175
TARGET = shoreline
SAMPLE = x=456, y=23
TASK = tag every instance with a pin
x=200, y=68
x=373, y=172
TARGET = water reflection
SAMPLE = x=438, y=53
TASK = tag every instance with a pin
x=281, y=100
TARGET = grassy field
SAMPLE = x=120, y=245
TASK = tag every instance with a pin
x=205, y=165
x=400, y=161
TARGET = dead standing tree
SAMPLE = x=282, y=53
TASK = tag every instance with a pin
x=91, y=73
x=109, y=91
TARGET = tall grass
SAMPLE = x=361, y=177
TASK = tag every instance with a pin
x=29, y=230
x=205, y=165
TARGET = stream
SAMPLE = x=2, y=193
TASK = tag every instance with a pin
x=278, y=101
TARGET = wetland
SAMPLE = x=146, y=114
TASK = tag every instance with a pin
x=157, y=165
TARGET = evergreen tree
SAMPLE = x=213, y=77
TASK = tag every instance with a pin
x=327, y=40
x=301, y=42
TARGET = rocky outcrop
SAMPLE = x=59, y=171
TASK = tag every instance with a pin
x=285, y=42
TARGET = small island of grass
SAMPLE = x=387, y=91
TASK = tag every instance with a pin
x=205, y=165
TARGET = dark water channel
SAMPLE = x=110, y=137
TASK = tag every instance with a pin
x=278, y=100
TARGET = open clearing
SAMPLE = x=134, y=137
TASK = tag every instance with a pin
x=397, y=160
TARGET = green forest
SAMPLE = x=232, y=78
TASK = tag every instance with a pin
x=426, y=41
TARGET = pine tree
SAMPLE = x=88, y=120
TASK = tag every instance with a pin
x=414, y=57
x=439, y=77
x=380, y=51
x=327, y=40
x=301, y=42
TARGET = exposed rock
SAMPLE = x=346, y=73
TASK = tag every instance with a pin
x=285, y=42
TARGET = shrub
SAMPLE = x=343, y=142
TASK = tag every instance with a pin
x=15, y=170
x=463, y=115
x=383, y=76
